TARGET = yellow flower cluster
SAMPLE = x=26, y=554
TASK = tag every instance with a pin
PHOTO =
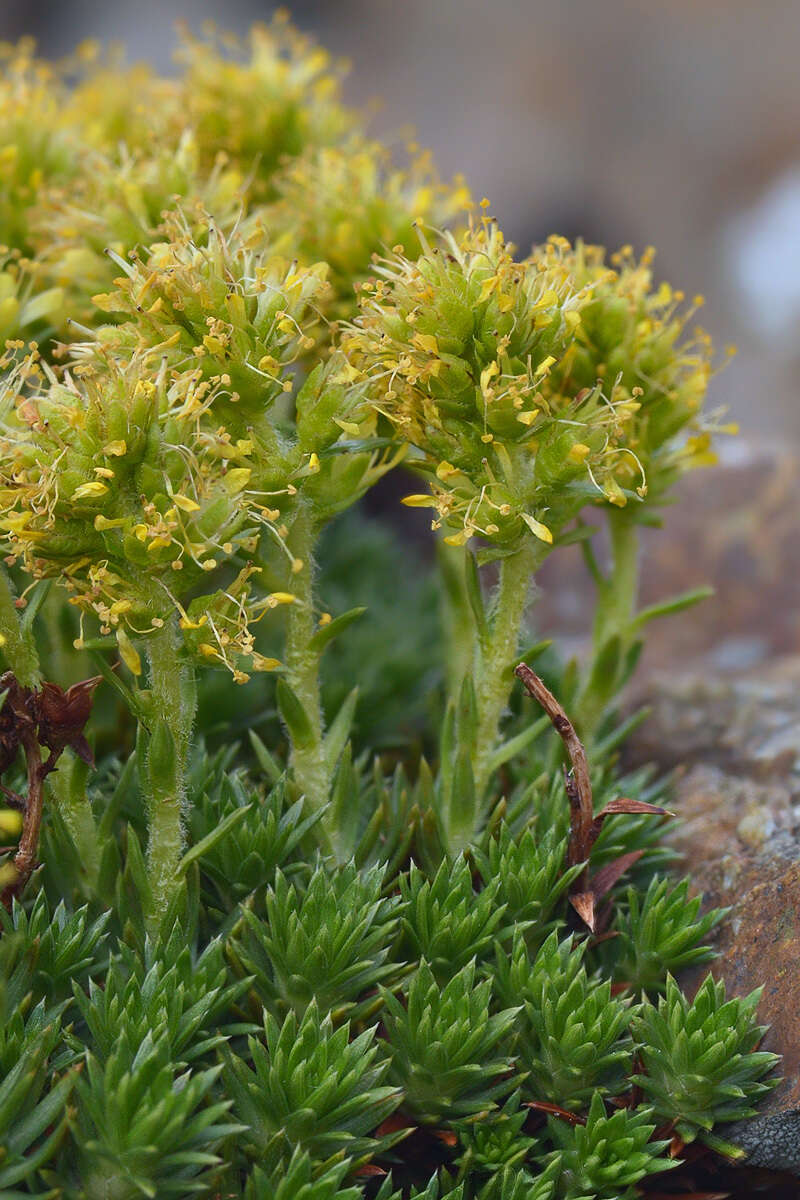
x=345, y=204
x=491, y=368
x=636, y=339
x=263, y=101
x=117, y=482
x=248, y=129
x=120, y=201
x=243, y=315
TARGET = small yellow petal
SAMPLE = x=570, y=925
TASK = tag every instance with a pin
x=237, y=479
x=446, y=469
x=538, y=529
x=89, y=491
x=188, y=623
x=578, y=452
x=208, y=651
x=128, y=653
x=426, y=341
x=419, y=501
x=185, y=503
x=261, y=663
x=457, y=539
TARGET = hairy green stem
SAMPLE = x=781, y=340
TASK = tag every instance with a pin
x=617, y=595
x=173, y=704
x=311, y=771
x=495, y=655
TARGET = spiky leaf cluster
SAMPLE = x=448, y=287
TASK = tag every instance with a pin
x=34, y=1112
x=145, y=1127
x=311, y=1087
x=500, y=1143
x=700, y=1063
x=47, y=951
x=572, y=1036
x=447, y=1047
x=608, y=1155
x=446, y=922
x=298, y=1181
x=661, y=931
x=530, y=877
x=329, y=941
x=262, y=834
x=169, y=996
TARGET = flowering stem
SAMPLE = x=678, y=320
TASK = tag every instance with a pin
x=173, y=700
x=311, y=771
x=494, y=660
x=617, y=594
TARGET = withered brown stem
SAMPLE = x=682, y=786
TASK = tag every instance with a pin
x=577, y=783
x=25, y=858
x=45, y=717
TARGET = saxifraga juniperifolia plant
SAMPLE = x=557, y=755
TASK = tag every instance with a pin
x=226, y=316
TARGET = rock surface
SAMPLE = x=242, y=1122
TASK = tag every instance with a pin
x=734, y=528
x=738, y=796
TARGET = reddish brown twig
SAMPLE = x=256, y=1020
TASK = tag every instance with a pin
x=584, y=826
x=30, y=719
x=578, y=784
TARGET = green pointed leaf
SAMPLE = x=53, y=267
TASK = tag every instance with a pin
x=324, y=636
x=475, y=595
x=294, y=716
x=340, y=729
x=205, y=844
x=268, y=764
x=517, y=744
x=675, y=605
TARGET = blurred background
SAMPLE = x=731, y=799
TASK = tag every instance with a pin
x=674, y=124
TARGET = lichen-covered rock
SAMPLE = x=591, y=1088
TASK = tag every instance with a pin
x=738, y=796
